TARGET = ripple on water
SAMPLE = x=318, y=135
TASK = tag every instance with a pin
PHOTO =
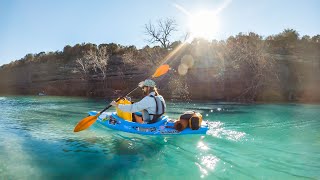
x=217, y=130
x=35, y=131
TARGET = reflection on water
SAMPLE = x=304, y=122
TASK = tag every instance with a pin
x=202, y=146
x=206, y=162
x=244, y=142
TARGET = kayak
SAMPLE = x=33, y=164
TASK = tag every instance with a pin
x=164, y=126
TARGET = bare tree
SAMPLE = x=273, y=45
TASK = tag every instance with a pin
x=100, y=60
x=96, y=59
x=83, y=65
x=186, y=36
x=129, y=57
x=153, y=56
x=162, y=32
x=249, y=59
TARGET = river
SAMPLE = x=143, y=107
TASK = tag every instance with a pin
x=245, y=141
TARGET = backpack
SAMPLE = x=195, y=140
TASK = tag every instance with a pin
x=194, y=118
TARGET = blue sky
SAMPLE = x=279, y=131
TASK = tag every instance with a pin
x=32, y=26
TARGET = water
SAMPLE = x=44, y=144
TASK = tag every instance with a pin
x=271, y=141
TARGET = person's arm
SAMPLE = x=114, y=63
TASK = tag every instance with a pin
x=137, y=106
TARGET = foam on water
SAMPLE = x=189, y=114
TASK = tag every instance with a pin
x=217, y=130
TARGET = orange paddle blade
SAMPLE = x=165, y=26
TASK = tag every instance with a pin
x=85, y=123
x=161, y=70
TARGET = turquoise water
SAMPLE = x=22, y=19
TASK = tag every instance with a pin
x=270, y=141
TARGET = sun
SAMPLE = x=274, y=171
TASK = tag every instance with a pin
x=204, y=24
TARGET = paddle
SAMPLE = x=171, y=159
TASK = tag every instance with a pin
x=88, y=121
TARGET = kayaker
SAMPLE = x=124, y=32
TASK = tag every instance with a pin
x=152, y=106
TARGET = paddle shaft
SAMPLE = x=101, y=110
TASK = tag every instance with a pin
x=118, y=100
x=159, y=72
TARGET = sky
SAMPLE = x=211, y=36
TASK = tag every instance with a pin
x=33, y=26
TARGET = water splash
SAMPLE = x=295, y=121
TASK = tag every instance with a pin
x=217, y=130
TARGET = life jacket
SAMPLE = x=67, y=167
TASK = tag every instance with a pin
x=160, y=108
x=194, y=118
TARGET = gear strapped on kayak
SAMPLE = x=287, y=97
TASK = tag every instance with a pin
x=190, y=119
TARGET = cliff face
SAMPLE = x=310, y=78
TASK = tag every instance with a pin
x=242, y=68
x=58, y=79
x=299, y=80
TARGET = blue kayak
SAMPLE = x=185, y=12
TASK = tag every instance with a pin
x=164, y=126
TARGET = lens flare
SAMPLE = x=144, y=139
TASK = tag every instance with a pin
x=182, y=69
x=187, y=60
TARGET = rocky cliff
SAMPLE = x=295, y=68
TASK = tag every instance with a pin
x=200, y=83
x=244, y=68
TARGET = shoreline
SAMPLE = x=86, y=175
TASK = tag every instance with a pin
x=189, y=101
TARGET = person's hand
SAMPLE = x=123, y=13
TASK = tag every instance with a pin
x=113, y=103
x=141, y=84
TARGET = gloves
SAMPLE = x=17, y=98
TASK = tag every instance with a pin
x=113, y=103
x=141, y=84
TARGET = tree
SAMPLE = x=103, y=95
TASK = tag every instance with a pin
x=112, y=48
x=129, y=57
x=29, y=57
x=153, y=56
x=306, y=38
x=100, y=60
x=162, y=32
x=316, y=39
x=285, y=42
x=83, y=65
x=175, y=44
x=290, y=34
x=247, y=58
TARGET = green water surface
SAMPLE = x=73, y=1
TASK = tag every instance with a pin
x=264, y=141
